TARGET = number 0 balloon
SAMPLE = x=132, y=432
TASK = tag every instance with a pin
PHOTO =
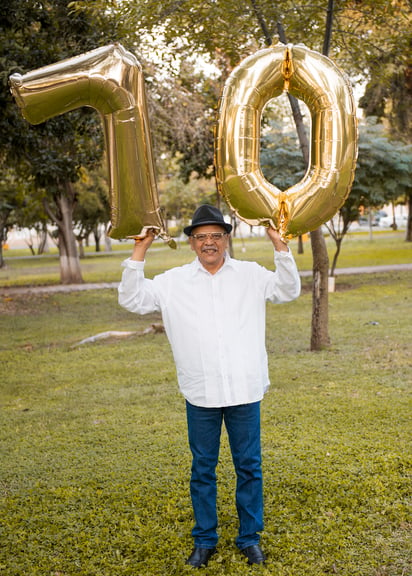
x=110, y=80
x=310, y=77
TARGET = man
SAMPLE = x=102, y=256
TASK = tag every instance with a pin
x=213, y=311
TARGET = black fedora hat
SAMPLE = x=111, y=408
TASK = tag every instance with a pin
x=207, y=214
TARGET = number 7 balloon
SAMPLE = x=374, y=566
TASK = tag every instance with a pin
x=109, y=79
x=316, y=80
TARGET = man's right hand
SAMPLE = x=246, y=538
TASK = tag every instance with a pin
x=142, y=244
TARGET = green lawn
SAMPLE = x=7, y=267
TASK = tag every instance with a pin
x=94, y=459
x=386, y=247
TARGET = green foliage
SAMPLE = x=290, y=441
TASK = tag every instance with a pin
x=383, y=175
x=281, y=159
x=383, y=171
x=388, y=93
x=180, y=199
x=92, y=204
x=95, y=463
x=12, y=195
x=182, y=110
x=50, y=155
x=230, y=30
x=34, y=35
x=20, y=204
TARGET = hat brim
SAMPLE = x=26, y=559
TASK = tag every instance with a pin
x=225, y=225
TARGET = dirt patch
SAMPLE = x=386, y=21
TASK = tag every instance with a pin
x=22, y=304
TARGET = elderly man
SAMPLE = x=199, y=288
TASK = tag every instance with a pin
x=213, y=311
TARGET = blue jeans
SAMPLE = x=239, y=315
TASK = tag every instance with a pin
x=243, y=427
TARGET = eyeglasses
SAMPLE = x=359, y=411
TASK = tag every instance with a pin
x=216, y=236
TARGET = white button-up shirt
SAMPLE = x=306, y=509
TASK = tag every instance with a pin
x=215, y=322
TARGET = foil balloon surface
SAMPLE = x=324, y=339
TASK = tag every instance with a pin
x=317, y=81
x=109, y=79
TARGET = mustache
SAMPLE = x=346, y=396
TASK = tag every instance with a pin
x=208, y=248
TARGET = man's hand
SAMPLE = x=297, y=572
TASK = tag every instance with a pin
x=277, y=242
x=141, y=246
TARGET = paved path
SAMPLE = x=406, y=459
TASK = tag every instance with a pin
x=365, y=269
x=14, y=290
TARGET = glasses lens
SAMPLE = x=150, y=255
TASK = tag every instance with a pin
x=212, y=236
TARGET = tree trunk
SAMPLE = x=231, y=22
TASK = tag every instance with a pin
x=3, y=235
x=31, y=246
x=96, y=236
x=300, y=245
x=43, y=243
x=394, y=225
x=409, y=223
x=320, y=313
x=107, y=243
x=70, y=272
x=80, y=248
x=2, y=262
x=338, y=242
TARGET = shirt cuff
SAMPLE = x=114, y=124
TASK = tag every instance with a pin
x=283, y=253
x=133, y=264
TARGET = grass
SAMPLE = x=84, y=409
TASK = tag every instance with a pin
x=386, y=247
x=94, y=459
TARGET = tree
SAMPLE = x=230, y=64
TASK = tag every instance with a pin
x=92, y=209
x=228, y=31
x=11, y=197
x=233, y=30
x=281, y=159
x=179, y=199
x=388, y=92
x=182, y=110
x=30, y=214
x=35, y=34
x=383, y=174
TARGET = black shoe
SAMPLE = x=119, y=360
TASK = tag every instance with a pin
x=254, y=554
x=200, y=557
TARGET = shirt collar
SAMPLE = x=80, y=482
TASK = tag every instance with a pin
x=228, y=263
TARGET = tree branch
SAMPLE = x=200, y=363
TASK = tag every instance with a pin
x=262, y=22
x=328, y=28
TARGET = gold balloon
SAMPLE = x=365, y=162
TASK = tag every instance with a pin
x=109, y=79
x=317, y=81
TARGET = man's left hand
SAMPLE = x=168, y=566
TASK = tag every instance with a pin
x=277, y=242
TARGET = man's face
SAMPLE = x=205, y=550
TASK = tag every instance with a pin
x=210, y=250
